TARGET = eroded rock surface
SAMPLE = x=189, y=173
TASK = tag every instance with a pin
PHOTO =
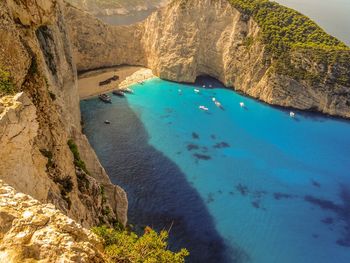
x=31, y=231
x=36, y=124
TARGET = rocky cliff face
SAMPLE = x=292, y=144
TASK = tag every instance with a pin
x=36, y=124
x=189, y=38
x=99, y=45
x=116, y=7
x=34, y=232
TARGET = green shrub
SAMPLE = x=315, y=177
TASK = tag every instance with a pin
x=77, y=161
x=103, y=194
x=6, y=85
x=125, y=246
x=248, y=42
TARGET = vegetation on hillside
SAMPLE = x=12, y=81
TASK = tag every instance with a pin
x=6, y=85
x=284, y=30
x=126, y=246
x=77, y=160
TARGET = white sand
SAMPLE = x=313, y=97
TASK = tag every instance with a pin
x=88, y=83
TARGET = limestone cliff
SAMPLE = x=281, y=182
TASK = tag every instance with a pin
x=34, y=232
x=116, y=7
x=37, y=123
x=189, y=38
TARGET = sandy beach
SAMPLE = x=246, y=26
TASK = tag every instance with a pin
x=88, y=82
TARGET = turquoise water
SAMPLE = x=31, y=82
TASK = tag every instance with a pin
x=234, y=185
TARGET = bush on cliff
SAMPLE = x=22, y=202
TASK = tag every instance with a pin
x=78, y=162
x=285, y=31
x=6, y=85
x=283, y=28
x=125, y=246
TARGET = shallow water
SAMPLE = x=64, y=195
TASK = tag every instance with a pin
x=234, y=185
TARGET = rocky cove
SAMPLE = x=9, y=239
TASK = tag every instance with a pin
x=44, y=44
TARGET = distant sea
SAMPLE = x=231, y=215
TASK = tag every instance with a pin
x=238, y=184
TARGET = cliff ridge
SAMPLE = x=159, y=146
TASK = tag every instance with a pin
x=231, y=40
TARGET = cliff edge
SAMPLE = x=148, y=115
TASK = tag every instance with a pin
x=43, y=151
x=34, y=232
x=253, y=46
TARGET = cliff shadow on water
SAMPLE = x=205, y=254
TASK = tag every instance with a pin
x=158, y=192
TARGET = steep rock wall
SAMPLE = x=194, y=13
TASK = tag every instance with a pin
x=36, y=125
x=99, y=45
x=189, y=38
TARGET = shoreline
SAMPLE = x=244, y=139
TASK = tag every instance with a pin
x=88, y=82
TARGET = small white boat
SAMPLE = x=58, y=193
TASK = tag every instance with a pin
x=203, y=86
x=203, y=108
x=210, y=86
x=242, y=104
x=196, y=90
x=292, y=114
x=213, y=99
x=218, y=104
x=127, y=90
x=179, y=90
x=107, y=122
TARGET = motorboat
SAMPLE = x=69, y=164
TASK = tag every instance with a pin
x=292, y=114
x=218, y=104
x=127, y=90
x=105, y=98
x=107, y=122
x=119, y=93
x=203, y=108
x=242, y=104
x=196, y=90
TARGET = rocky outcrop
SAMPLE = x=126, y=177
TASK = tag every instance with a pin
x=116, y=7
x=111, y=45
x=189, y=38
x=37, y=123
x=31, y=231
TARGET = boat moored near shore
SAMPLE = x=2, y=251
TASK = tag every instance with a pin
x=118, y=93
x=105, y=98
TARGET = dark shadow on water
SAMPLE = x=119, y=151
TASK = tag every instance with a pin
x=159, y=194
x=342, y=211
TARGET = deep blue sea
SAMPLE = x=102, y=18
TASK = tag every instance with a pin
x=232, y=185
